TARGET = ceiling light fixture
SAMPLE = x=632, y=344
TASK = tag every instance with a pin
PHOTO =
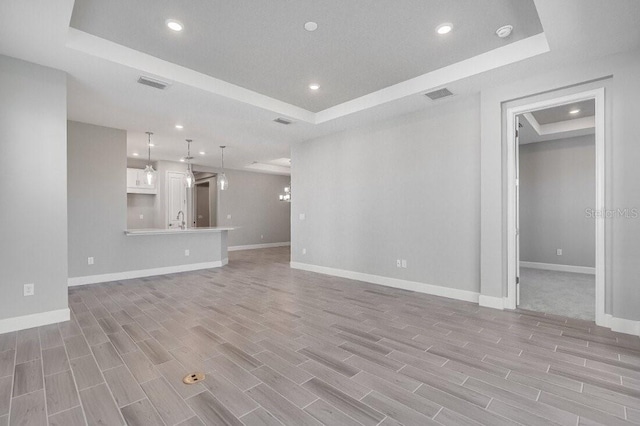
x=179, y=126
x=202, y=153
x=444, y=28
x=149, y=172
x=504, y=31
x=182, y=160
x=310, y=26
x=314, y=86
x=189, y=178
x=135, y=154
x=174, y=25
x=223, y=182
x=574, y=111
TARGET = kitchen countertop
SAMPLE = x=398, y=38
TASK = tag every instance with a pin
x=163, y=231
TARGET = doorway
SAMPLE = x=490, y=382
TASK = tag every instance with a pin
x=546, y=251
x=205, y=200
x=555, y=192
x=202, y=216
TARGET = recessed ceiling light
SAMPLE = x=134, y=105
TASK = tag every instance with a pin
x=444, y=28
x=202, y=153
x=182, y=160
x=179, y=126
x=152, y=144
x=314, y=86
x=174, y=25
x=574, y=111
x=135, y=154
x=310, y=26
x=504, y=31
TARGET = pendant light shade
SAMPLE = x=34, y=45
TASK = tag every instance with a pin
x=149, y=172
x=223, y=182
x=189, y=178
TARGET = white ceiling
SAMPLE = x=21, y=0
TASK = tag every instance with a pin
x=562, y=112
x=102, y=76
x=557, y=123
x=360, y=46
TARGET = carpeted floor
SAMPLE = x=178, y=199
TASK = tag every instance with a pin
x=562, y=293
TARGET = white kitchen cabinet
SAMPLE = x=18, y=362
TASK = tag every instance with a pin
x=136, y=183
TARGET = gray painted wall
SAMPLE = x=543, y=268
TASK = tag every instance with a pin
x=33, y=237
x=141, y=204
x=406, y=188
x=557, y=186
x=98, y=212
x=622, y=157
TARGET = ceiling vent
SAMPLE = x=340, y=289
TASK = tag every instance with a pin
x=152, y=82
x=283, y=121
x=438, y=94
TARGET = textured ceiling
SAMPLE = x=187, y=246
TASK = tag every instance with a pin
x=361, y=46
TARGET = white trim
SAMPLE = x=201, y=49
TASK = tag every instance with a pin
x=259, y=246
x=622, y=325
x=492, y=302
x=127, y=275
x=599, y=96
x=558, y=267
x=34, y=320
x=436, y=290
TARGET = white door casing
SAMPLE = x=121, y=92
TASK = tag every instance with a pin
x=176, y=199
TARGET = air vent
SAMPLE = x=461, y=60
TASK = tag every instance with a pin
x=152, y=82
x=438, y=94
x=283, y=121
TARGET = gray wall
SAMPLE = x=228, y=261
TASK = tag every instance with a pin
x=141, y=204
x=622, y=157
x=98, y=212
x=33, y=237
x=406, y=188
x=557, y=186
x=252, y=201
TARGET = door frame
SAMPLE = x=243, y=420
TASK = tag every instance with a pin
x=512, y=261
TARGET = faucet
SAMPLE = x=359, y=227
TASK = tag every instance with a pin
x=183, y=224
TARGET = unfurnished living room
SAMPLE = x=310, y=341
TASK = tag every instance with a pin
x=268, y=212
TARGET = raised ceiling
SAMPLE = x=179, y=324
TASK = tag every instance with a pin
x=360, y=46
x=562, y=112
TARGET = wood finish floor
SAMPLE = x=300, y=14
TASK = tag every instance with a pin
x=297, y=348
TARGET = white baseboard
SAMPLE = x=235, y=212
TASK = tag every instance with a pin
x=127, y=275
x=492, y=302
x=259, y=246
x=622, y=325
x=34, y=320
x=560, y=268
x=452, y=293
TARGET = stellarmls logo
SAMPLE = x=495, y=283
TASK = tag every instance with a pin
x=632, y=213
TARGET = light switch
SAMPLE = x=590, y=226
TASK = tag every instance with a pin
x=141, y=216
x=228, y=216
x=559, y=252
x=302, y=216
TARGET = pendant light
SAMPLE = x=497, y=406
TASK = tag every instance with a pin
x=287, y=194
x=149, y=172
x=223, y=182
x=189, y=178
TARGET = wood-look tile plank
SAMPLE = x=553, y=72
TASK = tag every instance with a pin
x=141, y=413
x=167, y=402
x=72, y=417
x=122, y=342
x=123, y=386
x=395, y=410
x=154, y=351
x=7, y=359
x=5, y=394
x=208, y=408
x=350, y=406
x=229, y=395
x=140, y=366
x=61, y=392
x=77, y=346
x=86, y=372
x=55, y=360
x=282, y=409
x=99, y=406
x=106, y=356
x=28, y=410
x=285, y=387
x=260, y=417
x=28, y=377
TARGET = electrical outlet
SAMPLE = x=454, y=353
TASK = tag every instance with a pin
x=228, y=216
x=404, y=263
x=559, y=252
x=90, y=261
x=141, y=216
x=398, y=263
x=186, y=252
x=304, y=251
x=302, y=216
x=29, y=289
